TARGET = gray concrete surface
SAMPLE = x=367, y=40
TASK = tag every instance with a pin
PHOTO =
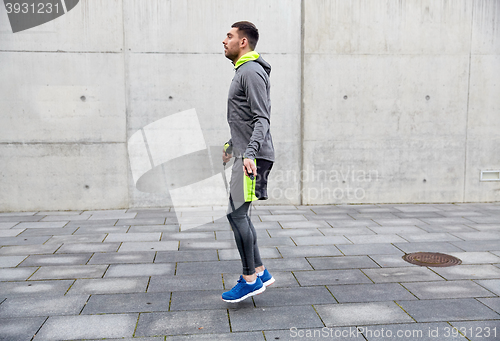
x=373, y=102
x=336, y=279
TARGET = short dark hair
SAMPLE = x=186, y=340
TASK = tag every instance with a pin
x=249, y=31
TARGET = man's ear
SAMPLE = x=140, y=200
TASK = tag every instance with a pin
x=244, y=42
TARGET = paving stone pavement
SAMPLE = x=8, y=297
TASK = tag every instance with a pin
x=138, y=275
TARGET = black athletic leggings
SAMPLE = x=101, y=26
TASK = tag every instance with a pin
x=246, y=238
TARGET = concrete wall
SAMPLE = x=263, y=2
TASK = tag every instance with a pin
x=373, y=101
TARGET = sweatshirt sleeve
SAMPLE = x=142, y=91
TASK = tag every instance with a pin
x=255, y=85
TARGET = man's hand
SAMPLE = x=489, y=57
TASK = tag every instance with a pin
x=249, y=167
x=226, y=157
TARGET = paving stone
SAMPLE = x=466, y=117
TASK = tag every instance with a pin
x=376, y=239
x=443, y=247
x=185, y=283
x=100, y=230
x=143, y=221
x=276, y=297
x=208, y=227
x=232, y=254
x=42, y=305
x=7, y=225
x=328, y=217
x=283, y=217
x=374, y=216
x=325, y=240
x=186, y=245
x=59, y=213
x=183, y=322
x=17, y=214
x=135, y=270
x=469, y=272
x=342, y=262
x=294, y=233
x=213, y=267
x=69, y=272
x=325, y=277
x=64, y=231
x=20, y=329
x=446, y=289
x=369, y=249
x=484, y=220
x=482, y=235
x=445, y=228
x=11, y=241
x=133, y=237
x=9, y=233
x=76, y=239
x=15, y=274
x=188, y=235
x=418, y=215
x=153, y=228
x=88, y=327
x=109, y=286
x=396, y=221
x=476, y=257
x=356, y=293
x=479, y=330
x=149, y=246
x=352, y=314
x=45, y=260
x=88, y=247
x=417, y=208
x=450, y=220
x=351, y=223
x=113, y=216
x=240, y=336
x=301, y=224
x=66, y=217
x=19, y=219
x=278, y=241
x=483, y=227
x=41, y=225
x=430, y=237
x=10, y=261
x=287, y=264
x=313, y=334
x=448, y=310
x=127, y=303
x=186, y=256
x=274, y=318
x=403, y=229
x=90, y=223
x=35, y=288
x=492, y=285
x=204, y=299
x=346, y=231
x=478, y=245
x=308, y=251
x=421, y=332
x=492, y=302
x=404, y=274
x=122, y=258
x=391, y=261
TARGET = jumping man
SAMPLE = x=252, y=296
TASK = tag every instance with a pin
x=248, y=115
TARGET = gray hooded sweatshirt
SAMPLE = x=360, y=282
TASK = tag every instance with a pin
x=249, y=109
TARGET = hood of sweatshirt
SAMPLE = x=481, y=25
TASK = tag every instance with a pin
x=252, y=55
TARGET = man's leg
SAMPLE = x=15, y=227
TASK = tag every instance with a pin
x=246, y=240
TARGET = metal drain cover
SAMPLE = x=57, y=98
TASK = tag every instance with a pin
x=431, y=259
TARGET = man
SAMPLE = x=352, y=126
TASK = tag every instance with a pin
x=248, y=115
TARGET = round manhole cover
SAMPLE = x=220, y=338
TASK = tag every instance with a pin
x=431, y=259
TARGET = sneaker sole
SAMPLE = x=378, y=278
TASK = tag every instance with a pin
x=269, y=282
x=253, y=293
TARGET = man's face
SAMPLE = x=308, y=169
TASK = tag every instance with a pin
x=232, y=44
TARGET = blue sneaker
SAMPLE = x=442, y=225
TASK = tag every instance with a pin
x=267, y=278
x=243, y=290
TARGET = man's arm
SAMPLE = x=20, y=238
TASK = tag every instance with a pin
x=256, y=92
